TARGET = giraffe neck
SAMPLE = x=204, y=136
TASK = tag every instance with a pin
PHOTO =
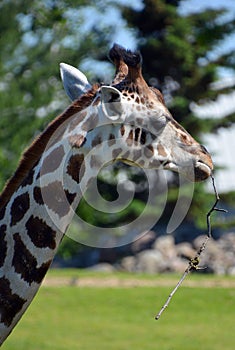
x=39, y=212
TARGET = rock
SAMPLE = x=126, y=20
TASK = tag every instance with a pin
x=178, y=265
x=227, y=242
x=144, y=242
x=185, y=249
x=102, y=267
x=129, y=263
x=218, y=256
x=151, y=261
x=165, y=245
x=231, y=271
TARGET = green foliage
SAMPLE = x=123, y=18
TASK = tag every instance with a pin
x=68, y=248
x=35, y=38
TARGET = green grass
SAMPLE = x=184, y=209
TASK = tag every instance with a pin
x=123, y=318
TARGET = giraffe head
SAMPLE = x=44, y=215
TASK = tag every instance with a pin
x=145, y=119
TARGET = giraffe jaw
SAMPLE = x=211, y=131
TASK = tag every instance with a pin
x=129, y=162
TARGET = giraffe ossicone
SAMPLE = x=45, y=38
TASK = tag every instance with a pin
x=126, y=121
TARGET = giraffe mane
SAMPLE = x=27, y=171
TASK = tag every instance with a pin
x=32, y=154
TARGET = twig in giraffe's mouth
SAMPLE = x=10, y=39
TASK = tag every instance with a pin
x=194, y=262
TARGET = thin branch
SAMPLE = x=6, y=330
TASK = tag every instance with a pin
x=194, y=262
x=213, y=208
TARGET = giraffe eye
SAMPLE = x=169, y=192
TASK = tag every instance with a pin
x=204, y=149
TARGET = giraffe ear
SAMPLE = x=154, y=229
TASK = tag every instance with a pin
x=74, y=81
x=111, y=102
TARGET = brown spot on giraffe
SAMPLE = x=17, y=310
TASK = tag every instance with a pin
x=111, y=140
x=77, y=140
x=96, y=141
x=52, y=161
x=76, y=167
x=126, y=155
x=10, y=303
x=19, y=207
x=90, y=123
x=3, y=244
x=137, y=100
x=116, y=153
x=25, y=263
x=137, y=133
x=122, y=130
x=56, y=198
x=148, y=151
x=185, y=139
x=136, y=154
x=150, y=147
x=161, y=150
x=41, y=235
x=70, y=196
x=143, y=137
x=37, y=195
x=129, y=139
x=155, y=163
x=77, y=120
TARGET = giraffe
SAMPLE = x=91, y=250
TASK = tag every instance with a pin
x=38, y=202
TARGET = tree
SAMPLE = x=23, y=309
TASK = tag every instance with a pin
x=35, y=38
x=180, y=58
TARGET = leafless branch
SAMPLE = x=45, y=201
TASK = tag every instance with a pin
x=194, y=262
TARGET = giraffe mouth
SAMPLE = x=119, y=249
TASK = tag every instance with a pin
x=202, y=171
x=199, y=172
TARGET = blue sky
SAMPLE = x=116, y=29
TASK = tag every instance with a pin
x=194, y=5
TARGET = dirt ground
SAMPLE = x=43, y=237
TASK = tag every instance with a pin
x=117, y=282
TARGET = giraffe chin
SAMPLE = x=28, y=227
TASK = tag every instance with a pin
x=200, y=172
x=130, y=162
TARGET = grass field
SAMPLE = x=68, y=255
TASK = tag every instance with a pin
x=120, y=318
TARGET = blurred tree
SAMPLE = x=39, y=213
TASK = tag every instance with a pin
x=182, y=58
x=35, y=38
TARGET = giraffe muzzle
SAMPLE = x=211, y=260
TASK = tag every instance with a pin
x=202, y=171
